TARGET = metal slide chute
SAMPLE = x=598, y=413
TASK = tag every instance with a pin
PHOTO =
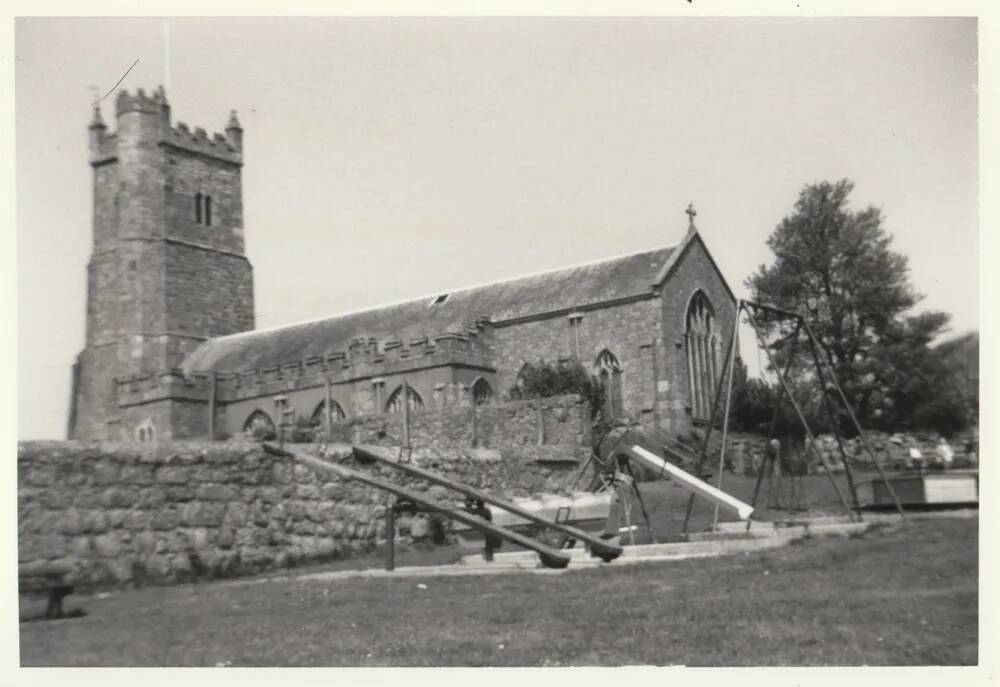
x=550, y=557
x=605, y=550
x=689, y=482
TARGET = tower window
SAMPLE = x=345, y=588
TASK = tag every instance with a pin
x=203, y=209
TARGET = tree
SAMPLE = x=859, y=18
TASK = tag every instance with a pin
x=837, y=265
x=544, y=380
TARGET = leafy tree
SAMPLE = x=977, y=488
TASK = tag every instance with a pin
x=543, y=380
x=837, y=265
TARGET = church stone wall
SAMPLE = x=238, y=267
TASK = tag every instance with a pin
x=693, y=271
x=627, y=330
x=189, y=174
x=125, y=514
x=208, y=294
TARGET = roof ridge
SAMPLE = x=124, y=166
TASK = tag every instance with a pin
x=382, y=306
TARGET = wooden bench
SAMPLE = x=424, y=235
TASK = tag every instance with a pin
x=47, y=579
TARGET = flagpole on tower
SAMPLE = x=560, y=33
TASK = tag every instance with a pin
x=166, y=54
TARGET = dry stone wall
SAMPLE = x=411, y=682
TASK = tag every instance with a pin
x=129, y=514
x=745, y=452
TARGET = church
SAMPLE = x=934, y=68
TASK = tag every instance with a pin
x=171, y=351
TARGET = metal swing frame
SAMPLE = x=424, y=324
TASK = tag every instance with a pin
x=825, y=377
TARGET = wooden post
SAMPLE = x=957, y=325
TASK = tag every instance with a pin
x=211, y=406
x=328, y=415
x=541, y=421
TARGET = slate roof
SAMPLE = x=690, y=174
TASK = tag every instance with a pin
x=574, y=287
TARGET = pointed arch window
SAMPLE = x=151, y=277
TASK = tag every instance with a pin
x=208, y=211
x=197, y=208
x=702, y=344
x=395, y=402
x=482, y=392
x=259, y=425
x=336, y=412
x=609, y=373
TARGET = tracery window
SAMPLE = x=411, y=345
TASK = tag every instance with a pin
x=395, y=402
x=337, y=412
x=609, y=372
x=702, y=345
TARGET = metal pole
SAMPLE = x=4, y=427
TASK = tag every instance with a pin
x=765, y=463
x=725, y=416
x=211, y=406
x=801, y=416
x=857, y=426
x=656, y=382
x=390, y=535
x=834, y=424
x=406, y=414
x=715, y=406
x=328, y=415
x=475, y=425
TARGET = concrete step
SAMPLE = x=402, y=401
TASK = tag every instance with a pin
x=741, y=527
x=668, y=550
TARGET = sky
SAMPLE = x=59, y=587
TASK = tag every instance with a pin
x=387, y=159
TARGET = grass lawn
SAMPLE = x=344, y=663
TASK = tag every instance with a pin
x=896, y=596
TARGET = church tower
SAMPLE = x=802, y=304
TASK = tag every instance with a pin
x=168, y=268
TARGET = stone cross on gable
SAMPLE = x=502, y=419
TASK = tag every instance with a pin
x=691, y=212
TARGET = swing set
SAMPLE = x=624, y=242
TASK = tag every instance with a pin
x=778, y=453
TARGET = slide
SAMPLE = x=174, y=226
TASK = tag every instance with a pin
x=550, y=557
x=604, y=550
x=689, y=481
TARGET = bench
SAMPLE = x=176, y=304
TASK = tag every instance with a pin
x=48, y=579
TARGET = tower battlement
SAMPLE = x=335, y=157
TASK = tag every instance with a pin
x=140, y=102
x=104, y=145
x=217, y=145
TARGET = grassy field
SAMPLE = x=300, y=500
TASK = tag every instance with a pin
x=899, y=596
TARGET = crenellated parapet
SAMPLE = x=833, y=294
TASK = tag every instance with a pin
x=366, y=358
x=154, y=109
x=171, y=385
x=201, y=143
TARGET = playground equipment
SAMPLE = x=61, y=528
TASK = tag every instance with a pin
x=828, y=383
x=784, y=467
x=604, y=550
x=691, y=483
x=478, y=516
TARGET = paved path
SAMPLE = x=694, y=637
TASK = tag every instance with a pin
x=731, y=539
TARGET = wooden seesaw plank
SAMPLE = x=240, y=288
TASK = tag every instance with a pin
x=606, y=551
x=691, y=483
x=550, y=557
